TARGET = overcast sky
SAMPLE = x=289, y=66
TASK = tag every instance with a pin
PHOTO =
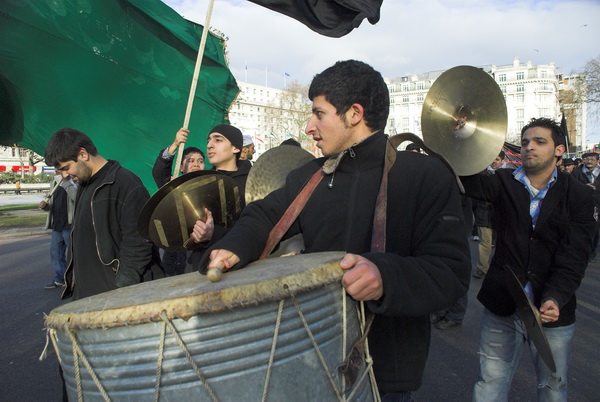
x=412, y=36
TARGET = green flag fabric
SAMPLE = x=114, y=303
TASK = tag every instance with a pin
x=118, y=70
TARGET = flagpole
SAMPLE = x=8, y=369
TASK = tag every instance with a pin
x=188, y=111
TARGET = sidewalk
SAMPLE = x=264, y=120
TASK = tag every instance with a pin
x=18, y=200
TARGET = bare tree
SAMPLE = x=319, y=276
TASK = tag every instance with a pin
x=288, y=114
x=583, y=87
x=591, y=71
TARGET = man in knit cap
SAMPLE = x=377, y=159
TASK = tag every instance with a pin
x=223, y=148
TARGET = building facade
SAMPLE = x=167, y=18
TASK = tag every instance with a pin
x=271, y=115
x=529, y=90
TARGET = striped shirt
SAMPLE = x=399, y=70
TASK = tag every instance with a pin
x=535, y=196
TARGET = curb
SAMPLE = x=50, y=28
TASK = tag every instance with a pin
x=8, y=233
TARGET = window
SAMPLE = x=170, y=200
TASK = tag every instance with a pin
x=543, y=74
x=420, y=85
x=520, y=98
x=521, y=75
x=544, y=112
x=405, y=124
x=520, y=125
x=520, y=88
x=502, y=77
x=420, y=98
x=405, y=99
x=405, y=87
x=544, y=98
x=520, y=113
x=544, y=86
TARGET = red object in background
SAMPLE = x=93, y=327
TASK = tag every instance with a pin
x=2, y=168
x=25, y=168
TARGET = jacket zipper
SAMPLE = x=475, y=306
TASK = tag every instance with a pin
x=351, y=205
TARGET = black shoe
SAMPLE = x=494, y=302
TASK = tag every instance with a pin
x=447, y=324
x=478, y=274
x=434, y=318
x=54, y=284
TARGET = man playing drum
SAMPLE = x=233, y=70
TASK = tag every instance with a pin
x=406, y=260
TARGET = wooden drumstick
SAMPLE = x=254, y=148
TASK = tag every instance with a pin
x=214, y=274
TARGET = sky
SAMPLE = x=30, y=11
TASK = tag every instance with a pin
x=411, y=37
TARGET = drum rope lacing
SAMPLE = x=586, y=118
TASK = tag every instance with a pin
x=161, y=348
x=273, y=348
x=315, y=345
x=188, y=355
x=77, y=353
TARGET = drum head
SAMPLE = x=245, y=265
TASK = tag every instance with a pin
x=184, y=296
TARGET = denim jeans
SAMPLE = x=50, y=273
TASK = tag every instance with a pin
x=58, y=249
x=500, y=348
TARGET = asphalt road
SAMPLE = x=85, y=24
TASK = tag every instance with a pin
x=451, y=369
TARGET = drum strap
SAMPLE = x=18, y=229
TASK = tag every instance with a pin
x=291, y=214
x=379, y=221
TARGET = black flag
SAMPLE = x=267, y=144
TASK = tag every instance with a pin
x=563, y=125
x=334, y=18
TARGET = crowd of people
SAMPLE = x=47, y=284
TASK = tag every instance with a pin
x=407, y=264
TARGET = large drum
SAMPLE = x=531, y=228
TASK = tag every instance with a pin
x=280, y=329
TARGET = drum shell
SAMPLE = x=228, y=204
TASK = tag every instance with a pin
x=231, y=349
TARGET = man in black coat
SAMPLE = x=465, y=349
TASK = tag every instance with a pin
x=589, y=173
x=424, y=267
x=107, y=251
x=544, y=236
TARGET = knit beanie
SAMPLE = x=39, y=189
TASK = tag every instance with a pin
x=233, y=134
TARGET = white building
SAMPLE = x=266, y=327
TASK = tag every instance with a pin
x=529, y=91
x=249, y=113
x=271, y=115
x=10, y=161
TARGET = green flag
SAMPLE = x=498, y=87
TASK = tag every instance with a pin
x=118, y=70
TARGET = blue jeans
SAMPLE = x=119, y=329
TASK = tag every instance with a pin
x=500, y=349
x=58, y=249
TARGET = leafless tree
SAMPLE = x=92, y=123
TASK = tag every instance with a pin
x=288, y=114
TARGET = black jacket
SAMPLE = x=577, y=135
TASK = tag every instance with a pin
x=553, y=256
x=162, y=169
x=425, y=267
x=582, y=178
x=116, y=205
x=240, y=176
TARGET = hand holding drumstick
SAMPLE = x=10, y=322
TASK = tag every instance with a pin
x=220, y=260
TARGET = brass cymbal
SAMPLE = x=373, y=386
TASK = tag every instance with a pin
x=530, y=317
x=464, y=119
x=270, y=170
x=168, y=217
